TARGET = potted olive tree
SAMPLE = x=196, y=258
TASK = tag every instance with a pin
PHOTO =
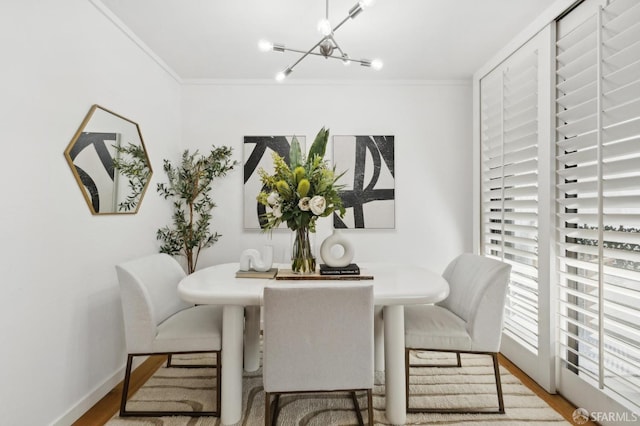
x=189, y=187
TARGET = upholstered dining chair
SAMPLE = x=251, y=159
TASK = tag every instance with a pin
x=157, y=321
x=317, y=339
x=469, y=320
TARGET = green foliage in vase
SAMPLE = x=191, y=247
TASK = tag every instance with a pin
x=131, y=162
x=189, y=187
x=300, y=192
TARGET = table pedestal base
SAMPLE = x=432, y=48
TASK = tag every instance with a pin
x=231, y=392
x=394, y=364
x=252, y=338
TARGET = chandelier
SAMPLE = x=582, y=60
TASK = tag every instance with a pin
x=327, y=47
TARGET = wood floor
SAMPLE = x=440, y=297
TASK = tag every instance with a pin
x=555, y=401
x=100, y=413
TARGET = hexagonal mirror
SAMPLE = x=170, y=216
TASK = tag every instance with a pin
x=109, y=161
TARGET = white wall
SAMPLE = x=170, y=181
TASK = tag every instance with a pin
x=60, y=315
x=431, y=122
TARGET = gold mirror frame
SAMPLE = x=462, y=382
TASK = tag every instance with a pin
x=109, y=161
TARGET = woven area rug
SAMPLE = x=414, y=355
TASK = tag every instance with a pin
x=470, y=386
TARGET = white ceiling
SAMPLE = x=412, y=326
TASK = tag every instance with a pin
x=416, y=39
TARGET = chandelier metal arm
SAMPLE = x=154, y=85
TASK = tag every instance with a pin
x=305, y=54
x=364, y=62
x=308, y=52
x=282, y=48
x=343, y=21
x=335, y=43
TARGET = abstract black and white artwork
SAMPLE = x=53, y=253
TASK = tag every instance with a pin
x=257, y=151
x=369, y=192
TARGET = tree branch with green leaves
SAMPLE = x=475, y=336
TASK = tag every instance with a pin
x=189, y=187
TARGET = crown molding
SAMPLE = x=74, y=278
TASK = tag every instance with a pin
x=133, y=37
x=322, y=82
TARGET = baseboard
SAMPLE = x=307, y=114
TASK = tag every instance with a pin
x=89, y=400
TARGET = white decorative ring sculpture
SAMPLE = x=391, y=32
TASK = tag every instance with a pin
x=325, y=250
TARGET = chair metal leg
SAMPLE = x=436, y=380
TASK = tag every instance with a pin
x=407, y=352
x=276, y=409
x=356, y=407
x=127, y=378
x=218, y=382
x=170, y=362
x=271, y=408
x=456, y=365
x=125, y=386
x=496, y=370
x=370, y=406
x=267, y=409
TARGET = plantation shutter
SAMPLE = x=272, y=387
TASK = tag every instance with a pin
x=509, y=157
x=598, y=205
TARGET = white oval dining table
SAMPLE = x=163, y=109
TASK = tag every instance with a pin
x=394, y=286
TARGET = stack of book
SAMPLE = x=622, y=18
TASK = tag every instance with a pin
x=351, y=269
x=251, y=273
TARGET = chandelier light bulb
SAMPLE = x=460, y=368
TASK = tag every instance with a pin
x=377, y=64
x=367, y=3
x=345, y=60
x=324, y=27
x=283, y=74
x=265, y=45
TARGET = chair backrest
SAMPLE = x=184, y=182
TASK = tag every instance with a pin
x=149, y=295
x=477, y=292
x=318, y=338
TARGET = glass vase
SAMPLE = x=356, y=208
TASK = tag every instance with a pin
x=303, y=260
